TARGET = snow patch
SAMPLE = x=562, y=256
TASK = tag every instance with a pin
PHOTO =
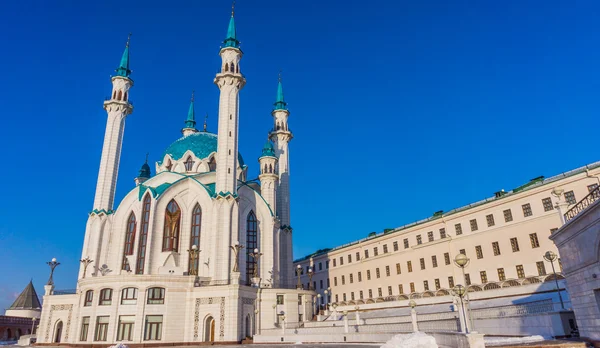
x=413, y=340
x=503, y=341
x=120, y=345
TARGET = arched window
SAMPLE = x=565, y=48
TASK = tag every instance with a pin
x=141, y=254
x=129, y=296
x=232, y=68
x=189, y=164
x=237, y=68
x=265, y=169
x=195, y=238
x=226, y=67
x=89, y=297
x=129, y=241
x=105, y=298
x=119, y=95
x=114, y=94
x=125, y=97
x=270, y=168
x=171, y=231
x=212, y=165
x=169, y=165
x=156, y=296
x=251, y=244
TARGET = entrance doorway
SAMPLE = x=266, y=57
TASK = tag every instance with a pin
x=209, y=329
x=58, y=331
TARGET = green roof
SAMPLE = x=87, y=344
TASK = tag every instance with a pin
x=280, y=103
x=202, y=144
x=123, y=69
x=231, y=39
x=190, y=122
x=268, y=150
x=28, y=299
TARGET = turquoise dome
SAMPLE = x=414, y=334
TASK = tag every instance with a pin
x=202, y=144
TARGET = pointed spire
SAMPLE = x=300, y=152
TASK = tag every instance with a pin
x=280, y=103
x=205, y=120
x=123, y=69
x=191, y=118
x=231, y=39
x=268, y=150
x=28, y=299
x=145, y=170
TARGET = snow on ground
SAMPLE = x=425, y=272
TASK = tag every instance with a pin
x=413, y=340
x=504, y=341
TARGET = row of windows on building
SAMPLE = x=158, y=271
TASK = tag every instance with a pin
x=152, y=328
x=508, y=217
x=129, y=296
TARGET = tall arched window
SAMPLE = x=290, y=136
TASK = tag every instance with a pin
x=251, y=244
x=119, y=95
x=125, y=96
x=141, y=254
x=195, y=238
x=232, y=68
x=171, y=231
x=189, y=164
x=212, y=165
x=129, y=241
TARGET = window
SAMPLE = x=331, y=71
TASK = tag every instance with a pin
x=328, y=282
x=336, y=298
x=570, y=197
x=467, y=279
x=450, y=282
x=343, y=280
x=390, y=291
x=490, y=220
x=379, y=292
x=426, y=285
x=483, y=277
x=535, y=243
x=334, y=263
x=398, y=270
x=360, y=295
x=360, y=276
x=422, y=261
x=387, y=271
x=479, y=252
x=434, y=261
x=412, y=287
x=592, y=187
x=334, y=281
x=357, y=256
x=409, y=266
x=437, y=284
x=547, y=203
x=171, y=229
x=366, y=253
x=189, y=164
x=462, y=251
x=195, y=239
x=473, y=225
x=352, y=295
x=341, y=260
x=125, y=329
x=349, y=258
x=153, y=328
x=129, y=296
x=105, y=297
x=280, y=299
x=89, y=296
x=299, y=300
x=496, y=248
x=327, y=264
x=370, y=293
x=156, y=296
x=320, y=266
x=251, y=244
x=442, y=233
x=508, y=215
x=447, y=258
x=101, y=328
x=368, y=274
x=405, y=243
x=458, y=229
x=320, y=283
x=541, y=268
x=351, y=278
x=377, y=274
x=395, y=245
x=129, y=241
x=419, y=240
x=501, y=275
x=85, y=327
x=141, y=254
x=375, y=251
x=430, y=236
x=514, y=243
x=520, y=271
x=385, y=249
x=344, y=297
x=526, y=210
x=400, y=289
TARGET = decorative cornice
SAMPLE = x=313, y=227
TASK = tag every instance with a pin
x=101, y=212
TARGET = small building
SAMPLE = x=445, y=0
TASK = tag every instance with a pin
x=21, y=316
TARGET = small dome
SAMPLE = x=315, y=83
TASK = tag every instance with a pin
x=202, y=144
x=268, y=150
x=145, y=171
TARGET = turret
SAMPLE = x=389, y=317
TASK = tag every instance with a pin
x=144, y=173
x=268, y=175
x=190, y=122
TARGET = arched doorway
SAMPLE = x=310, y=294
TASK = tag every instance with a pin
x=247, y=332
x=209, y=329
x=19, y=333
x=8, y=335
x=58, y=331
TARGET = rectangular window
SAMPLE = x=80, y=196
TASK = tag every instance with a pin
x=527, y=210
x=327, y=264
x=473, y=225
x=409, y=266
x=442, y=233
x=385, y=249
x=379, y=292
x=85, y=327
x=479, y=252
x=351, y=278
x=129, y=296
x=125, y=328
x=377, y=274
x=398, y=270
x=437, y=284
x=490, y=220
x=422, y=261
x=390, y=291
x=153, y=328
x=412, y=287
x=343, y=280
x=547, y=203
x=508, y=215
x=541, y=268
x=344, y=297
x=89, y=297
x=434, y=261
x=458, y=229
x=447, y=258
x=101, y=328
x=496, y=248
x=105, y=297
x=328, y=282
x=334, y=263
x=450, y=282
x=467, y=279
x=483, y=277
x=349, y=258
x=368, y=274
x=357, y=256
x=314, y=285
x=419, y=240
x=426, y=285
x=570, y=197
x=366, y=253
x=360, y=276
x=370, y=293
x=336, y=298
x=520, y=271
x=360, y=295
x=375, y=251
x=514, y=243
x=395, y=246
x=400, y=289
x=341, y=260
x=430, y=236
x=320, y=283
x=352, y=295
x=156, y=296
x=320, y=266
x=387, y=271
x=501, y=275
x=334, y=281
x=535, y=243
x=405, y=243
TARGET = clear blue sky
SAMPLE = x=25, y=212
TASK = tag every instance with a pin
x=399, y=108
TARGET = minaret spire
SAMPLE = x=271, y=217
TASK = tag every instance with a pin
x=123, y=69
x=231, y=39
x=205, y=120
x=280, y=103
x=190, y=122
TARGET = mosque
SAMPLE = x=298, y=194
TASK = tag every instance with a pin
x=196, y=252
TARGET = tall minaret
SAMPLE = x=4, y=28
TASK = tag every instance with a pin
x=230, y=81
x=117, y=108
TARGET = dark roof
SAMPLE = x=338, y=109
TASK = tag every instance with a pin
x=28, y=299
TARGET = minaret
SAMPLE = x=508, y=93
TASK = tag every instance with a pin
x=268, y=175
x=230, y=81
x=190, y=122
x=117, y=108
x=144, y=173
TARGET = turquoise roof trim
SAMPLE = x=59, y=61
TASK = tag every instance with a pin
x=231, y=39
x=268, y=150
x=190, y=122
x=102, y=211
x=202, y=144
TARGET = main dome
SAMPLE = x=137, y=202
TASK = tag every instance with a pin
x=202, y=144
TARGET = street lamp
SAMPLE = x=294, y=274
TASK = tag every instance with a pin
x=53, y=264
x=551, y=257
x=85, y=263
x=319, y=302
x=412, y=303
x=236, y=249
x=310, y=275
x=460, y=291
x=298, y=272
x=256, y=256
x=461, y=260
x=33, y=324
x=194, y=252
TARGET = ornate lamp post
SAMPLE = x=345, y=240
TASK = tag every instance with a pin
x=551, y=257
x=256, y=256
x=310, y=275
x=326, y=292
x=319, y=302
x=194, y=252
x=53, y=264
x=462, y=261
x=33, y=325
x=274, y=314
x=413, y=315
x=85, y=263
x=357, y=308
x=460, y=291
x=298, y=272
x=236, y=250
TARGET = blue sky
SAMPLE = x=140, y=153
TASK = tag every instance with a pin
x=399, y=108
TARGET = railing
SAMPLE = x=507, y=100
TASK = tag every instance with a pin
x=65, y=292
x=535, y=307
x=213, y=282
x=445, y=325
x=593, y=196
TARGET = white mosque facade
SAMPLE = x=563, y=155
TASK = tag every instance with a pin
x=167, y=264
